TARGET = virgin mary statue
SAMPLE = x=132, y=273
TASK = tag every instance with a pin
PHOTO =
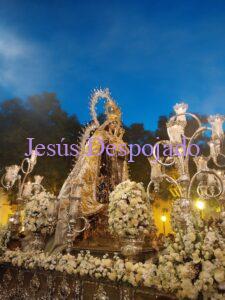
x=95, y=174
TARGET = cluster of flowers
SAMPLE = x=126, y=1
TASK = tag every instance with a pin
x=192, y=264
x=5, y=234
x=129, y=210
x=36, y=213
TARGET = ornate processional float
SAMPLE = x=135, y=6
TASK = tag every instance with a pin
x=92, y=241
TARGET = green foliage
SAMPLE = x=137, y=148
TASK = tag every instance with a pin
x=42, y=118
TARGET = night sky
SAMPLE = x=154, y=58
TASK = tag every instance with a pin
x=151, y=54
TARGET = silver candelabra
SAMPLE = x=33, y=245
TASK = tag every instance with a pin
x=208, y=183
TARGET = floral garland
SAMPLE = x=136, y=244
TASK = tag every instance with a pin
x=192, y=264
x=36, y=213
x=129, y=211
x=114, y=269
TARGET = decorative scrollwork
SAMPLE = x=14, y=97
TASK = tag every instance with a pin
x=209, y=190
x=64, y=289
x=77, y=290
x=35, y=284
x=100, y=293
x=206, y=183
x=50, y=286
x=125, y=294
x=7, y=277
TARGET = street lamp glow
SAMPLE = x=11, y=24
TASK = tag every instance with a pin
x=200, y=204
x=163, y=218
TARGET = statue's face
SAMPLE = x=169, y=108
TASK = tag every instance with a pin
x=111, y=110
x=113, y=125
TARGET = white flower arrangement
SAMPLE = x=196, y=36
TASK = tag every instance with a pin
x=194, y=263
x=5, y=234
x=130, y=213
x=191, y=265
x=36, y=213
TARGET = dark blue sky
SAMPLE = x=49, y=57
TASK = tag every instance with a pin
x=151, y=54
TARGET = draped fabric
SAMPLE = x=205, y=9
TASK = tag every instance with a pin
x=86, y=190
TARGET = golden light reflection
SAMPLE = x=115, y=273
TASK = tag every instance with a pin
x=163, y=218
x=161, y=209
x=200, y=204
x=6, y=210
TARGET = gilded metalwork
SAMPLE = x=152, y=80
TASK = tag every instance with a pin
x=100, y=293
x=77, y=290
x=64, y=289
x=7, y=277
x=125, y=294
x=69, y=287
x=50, y=286
x=35, y=284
